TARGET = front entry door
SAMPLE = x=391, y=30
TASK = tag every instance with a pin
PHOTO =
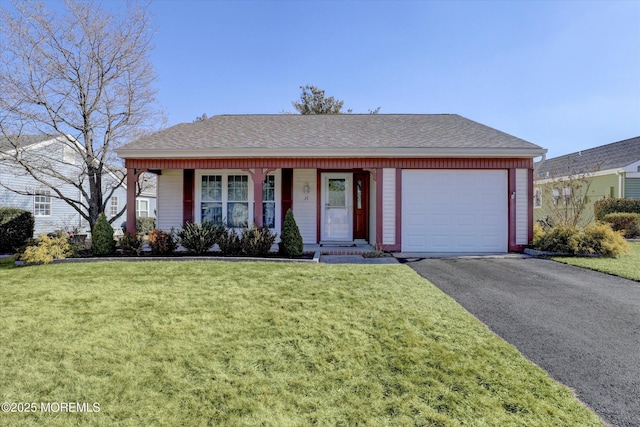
x=337, y=210
x=361, y=205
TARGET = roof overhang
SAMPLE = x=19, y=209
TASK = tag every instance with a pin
x=470, y=152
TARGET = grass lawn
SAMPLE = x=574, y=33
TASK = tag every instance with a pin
x=216, y=343
x=625, y=265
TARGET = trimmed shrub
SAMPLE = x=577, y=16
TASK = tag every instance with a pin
x=230, y=243
x=257, y=241
x=161, y=242
x=16, y=228
x=290, y=239
x=627, y=223
x=46, y=249
x=145, y=225
x=102, y=242
x=600, y=239
x=557, y=239
x=199, y=238
x=130, y=244
x=604, y=207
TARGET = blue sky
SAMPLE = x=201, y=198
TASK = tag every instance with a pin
x=562, y=74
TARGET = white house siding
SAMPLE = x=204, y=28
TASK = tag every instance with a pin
x=169, y=203
x=522, y=206
x=372, y=212
x=389, y=206
x=304, y=205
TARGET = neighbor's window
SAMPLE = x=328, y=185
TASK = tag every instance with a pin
x=142, y=208
x=537, y=197
x=113, y=208
x=225, y=197
x=42, y=203
x=269, y=201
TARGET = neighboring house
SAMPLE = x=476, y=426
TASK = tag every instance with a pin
x=51, y=213
x=413, y=183
x=613, y=171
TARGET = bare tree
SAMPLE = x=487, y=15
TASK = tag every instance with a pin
x=565, y=192
x=83, y=76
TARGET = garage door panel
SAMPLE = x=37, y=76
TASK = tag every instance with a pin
x=454, y=211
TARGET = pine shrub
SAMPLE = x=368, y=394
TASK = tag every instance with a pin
x=130, y=244
x=230, y=243
x=290, y=239
x=627, y=223
x=102, y=242
x=46, y=249
x=199, y=238
x=600, y=239
x=257, y=241
x=558, y=239
x=16, y=228
x=161, y=242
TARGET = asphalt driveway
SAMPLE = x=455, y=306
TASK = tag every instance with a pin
x=581, y=326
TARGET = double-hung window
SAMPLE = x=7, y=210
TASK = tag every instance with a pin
x=42, y=203
x=225, y=198
x=142, y=208
x=269, y=201
x=113, y=211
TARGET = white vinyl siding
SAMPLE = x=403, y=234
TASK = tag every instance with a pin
x=388, y=206
x=304, y=205
x=169, y=200
x=522, y=207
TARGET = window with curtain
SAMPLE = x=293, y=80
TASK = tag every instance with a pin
x=269, y=201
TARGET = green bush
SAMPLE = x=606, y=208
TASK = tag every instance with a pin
x=290, y=239
x=16, y=228
x=46, y=249
x=145, y=225
x=161, y=242
x=130, y=244
x=596, y=239
x=557, y=239
x=604, y=207
x=257, y=241
x=199, y=238
x=102, y=242
x=230, y=243
x=600, y=239
x=627, y=223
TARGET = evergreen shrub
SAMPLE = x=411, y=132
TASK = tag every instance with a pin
x=16, y=228
x=102, y=241
x=290, y=239
x=627, y=223
x=46, y=249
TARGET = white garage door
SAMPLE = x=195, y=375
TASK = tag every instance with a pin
x=454, y=211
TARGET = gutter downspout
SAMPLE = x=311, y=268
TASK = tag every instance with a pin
x=620, y=174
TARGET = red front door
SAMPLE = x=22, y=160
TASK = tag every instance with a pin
x=361, y=205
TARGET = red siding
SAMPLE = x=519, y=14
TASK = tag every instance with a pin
x=331, y=163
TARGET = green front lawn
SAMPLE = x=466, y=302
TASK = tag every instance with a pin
x=216, y=343
x=625, y=265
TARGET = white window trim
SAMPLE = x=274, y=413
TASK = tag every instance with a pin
x=197, y=217
x=225, y=173
x=142, y=199
x=537, y=191
x=112, y=205
x=40, y=193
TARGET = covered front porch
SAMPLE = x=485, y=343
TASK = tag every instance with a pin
x=336, y=202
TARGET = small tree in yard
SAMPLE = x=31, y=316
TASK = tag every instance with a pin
x=81, y=74
x=290, y=239
x=566, y=194
x=102, y=242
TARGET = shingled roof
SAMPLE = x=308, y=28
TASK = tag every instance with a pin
x=336, y=133
x=23, y=141
x=616, y=155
